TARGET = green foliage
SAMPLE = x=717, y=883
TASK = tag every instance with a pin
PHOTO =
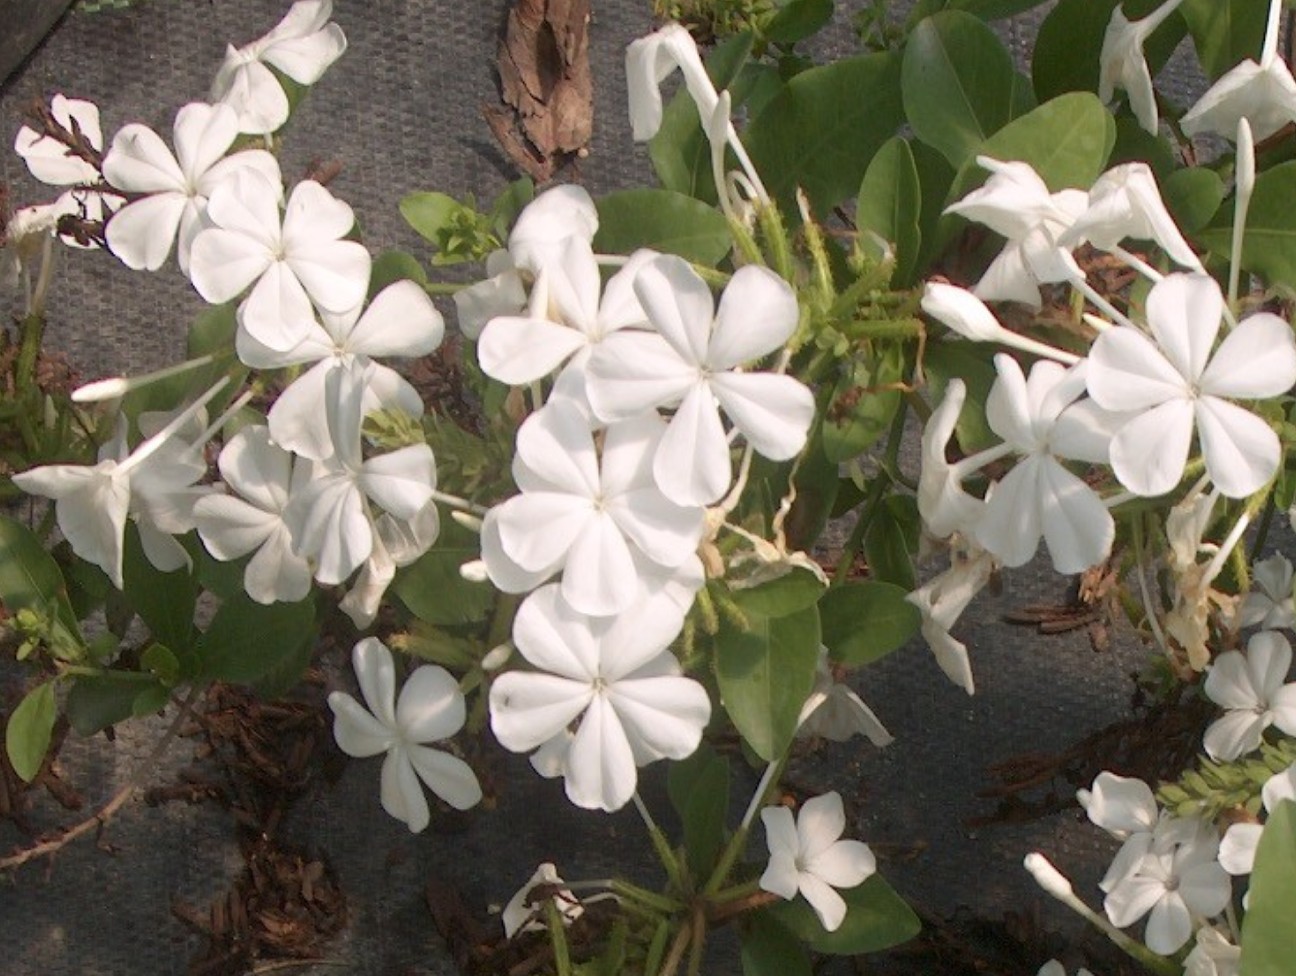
x=1269, y=247
x=98, y=701
x=1267, y=928
x=1225, y=31
x=789, y=593
x=1216, y=787
x=393, y=266
x=663, y=220
x=1068, y=140
x=970, y=363
x=248, y=640
x=959, y=85
x=27, y=735
x=699, y=791
x=876, y=919
x=457, y=231
x=864, y=403
x=797, y=20
x=1193, y=196
x=820, y=132
x=865, y=621
x=765, y=674
x=432, y=588
x=891, y=542
x=889, y=205
x=771, y=949
x=164, y=601
x=30, y=581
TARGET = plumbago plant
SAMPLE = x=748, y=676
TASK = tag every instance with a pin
x=603, y=538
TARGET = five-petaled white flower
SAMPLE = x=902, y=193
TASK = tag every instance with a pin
x=693, y=364
x=302, y=46
x=1270, y=602
x=1254, y=690
x=430, y=708
x=807, y=855
x=1172, y=383
x=178, y=185
x=586, y=513
x=264, y=477
x=616, y=676
x=290, y=262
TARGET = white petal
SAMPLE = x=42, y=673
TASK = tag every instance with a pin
x=357, y=732
x=297, y=420
x=1184, y=311
x=663, y=717
x=1127, y=372
x=141, y=233
x=305, y=59
x=334, y=273
x=1241, y=451
x=773, y=412
x=1256, y=360
x=277, y=574
x=449, y=777
x=400, y=321
x=1078, y=529
x=376, y=673
x=1234, y=735
x=278, y=312
x=1132, y=899
x=223, y=263
x=599, y=575
x=821, y=822
x=1169, y=926
x=1010, y=527
x=678, y=304
x=1148, y=453
x=400, y=481
x=431, y=706
x=1238, y=848
x=828, y=905
x=845, y=864
x=230, y=527
x=630, y=372
x=555, y=452
x=600, y=769
x=517, y=349
x=140, y=162
x=401, y=794
x=203, y=134
x=758, y=314
x=528, y=709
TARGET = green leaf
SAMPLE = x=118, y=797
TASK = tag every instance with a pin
x=96, y=702
x=1066, y=140
x=159, y=661
x=1267, y=928
x=1269, y=246
x=247, y=640
x=890, y=204
x=770, y=949
x=797, y=20
x=892, y=541
x=1134, y=144
x=27, y=736
x=699, y=790
x=865, y=621
x=821, y=130
x=30, y=580
x=790, y=593
x=817, y=486
x=995, y=9
x=429, y=213
x=765, y=675
x=1193, y=197
x=432, y=588
x=663, y=220
x=969, y=362
x=861, y=409
x=393, y=266
x=511, y=201
x=1070, y=40
x=1225, y=32
x=164, y=601
x=149, y=701
x=876, y=919
x=680, y=153
x=958, y=84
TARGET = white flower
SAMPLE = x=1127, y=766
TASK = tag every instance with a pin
x=1122, y=65
x=1040, y=420
x=396, y=543
x=430, y=708
x=142, y=232
x=807, y=855
x=943, y=504
x=1213, y=955
x=330, y=519
x=264, y=477
x=693, y=363
x=1238, y=847
x=572, y=322
x=616, y=676
x=1125, y=202
x=400, y=321
x=1270, y=602
x=650, y=61
x=1016, y=204
x=833, y=710
x=293, y=262
x=1174, y=384
x=523, y=914
x=586, y=513
x=1252, y=688
x=1127, y=809
x=1174, y=885
x=302, y=46
x=49, y=160
x=942, y=601
x=1055, y=968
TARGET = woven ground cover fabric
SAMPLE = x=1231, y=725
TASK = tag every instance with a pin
x=401, y=111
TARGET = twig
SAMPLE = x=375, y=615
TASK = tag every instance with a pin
x=105, y=813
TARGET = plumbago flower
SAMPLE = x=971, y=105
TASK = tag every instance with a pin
x=587, y=513
x=808, y=856
x=1238, y=846
x=290, y=263
x=1016, y=204
x=302, y=46
x=616, y=676
x=177, y=185
x=942, y=600
x=833, y=711
x=943, y=504
x=568, y=322
x=264, y=477
x=400, y=321
x=330, y=518
x=692, y=363
x=1122, y=65
x=524, y=914
x=1253, y=689
x=1042, y=420
x=430, y=708
x=1172, y=384
x=1270, y=602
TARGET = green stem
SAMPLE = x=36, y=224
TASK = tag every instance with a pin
x=643, y=896
x=776, y=239
x=661, y=845
x=697, y=941
x=738, y=842
x=736, y=892
x=31, y=332
x=1262, y=528
x=558, y=939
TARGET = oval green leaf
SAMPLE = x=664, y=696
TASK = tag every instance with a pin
x=890, y=205
x=1267, y=928
x=663, y=220
x=789, y=593
x=876, y=919
x=247, y=640
x=30, y=580
x=865, y=621
x=27, y=736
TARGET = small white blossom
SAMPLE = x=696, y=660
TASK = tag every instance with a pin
x=1253, y=689
x=1270, y=602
